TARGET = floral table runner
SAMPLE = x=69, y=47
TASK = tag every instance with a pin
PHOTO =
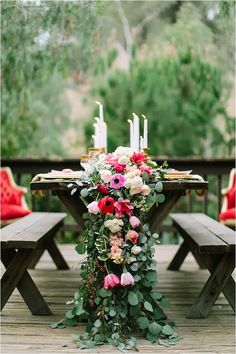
x=116, y=296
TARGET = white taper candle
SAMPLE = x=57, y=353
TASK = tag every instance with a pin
x=101, y=126
x=145, y=132
x=131, y=133
x=136, y=132
x=105, y=136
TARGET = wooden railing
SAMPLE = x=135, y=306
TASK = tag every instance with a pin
x=216, y=171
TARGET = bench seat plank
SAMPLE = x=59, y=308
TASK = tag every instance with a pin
x=29, y=231
x=221, y=231
x=205, y=241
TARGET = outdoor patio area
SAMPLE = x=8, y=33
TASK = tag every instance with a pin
x=24, y=333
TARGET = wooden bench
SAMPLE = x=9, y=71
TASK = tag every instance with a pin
x=21, y=244
x=213, y=245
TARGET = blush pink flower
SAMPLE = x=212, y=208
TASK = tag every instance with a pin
x=93, y=208
x=145, y=189
x=117, y=181
x=134, y=222
x=110, y=281
x=123, y=207
x=126, y=279
x=105, y=175
x=115, y=242
x=111, y=160
x=132, y=236
x=147, y=169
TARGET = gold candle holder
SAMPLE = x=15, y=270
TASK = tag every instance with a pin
x=98, y=150
x=145, y=152
x=95, y=152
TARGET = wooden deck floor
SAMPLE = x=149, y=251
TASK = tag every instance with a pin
x=24, y=333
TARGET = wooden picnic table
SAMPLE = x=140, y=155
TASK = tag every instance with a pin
x=173, y=191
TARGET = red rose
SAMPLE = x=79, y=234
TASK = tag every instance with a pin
x=138, y=158
x=106, y=205
x=119, y=168
x=102, y=189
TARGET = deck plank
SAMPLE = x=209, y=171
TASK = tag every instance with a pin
x=24, y=333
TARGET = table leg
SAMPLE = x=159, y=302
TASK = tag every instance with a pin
x=156, y=215
x=74, y=204
x=16, y=275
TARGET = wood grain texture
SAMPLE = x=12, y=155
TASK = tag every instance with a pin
x=201, y=235
x=24, y=333
x=31, y=229
x=168, y=185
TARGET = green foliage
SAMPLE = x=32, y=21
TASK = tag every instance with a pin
x=116, y=294
x=41, y=46
x=179, y=94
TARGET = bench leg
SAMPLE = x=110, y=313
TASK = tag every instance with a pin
x=38, y=255
x=16, y=275
x=229, y=292
x=219, y=278
x=179, y=257
x=198, y=259
x=56, y=255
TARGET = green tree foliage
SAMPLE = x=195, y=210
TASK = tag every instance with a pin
x=43, y=42
x=182, y=95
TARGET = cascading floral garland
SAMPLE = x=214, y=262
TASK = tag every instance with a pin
x=116, y=296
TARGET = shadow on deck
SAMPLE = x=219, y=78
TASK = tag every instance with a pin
x=24, y=333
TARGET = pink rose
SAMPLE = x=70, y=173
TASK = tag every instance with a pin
x=93, y=208
x=136, y=249
x=110, y=281
x=147, y=169
x=126, y=279
x=134, y=222
x=145, y=189
x=111, y=160
x=132, y=236
x=119, y=168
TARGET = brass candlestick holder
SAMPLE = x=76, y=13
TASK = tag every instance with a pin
x=145, y=152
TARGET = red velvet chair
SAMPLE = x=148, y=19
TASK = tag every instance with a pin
x=228, y=211
x=13, y=204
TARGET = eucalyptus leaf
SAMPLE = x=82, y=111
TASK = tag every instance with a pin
x=148, y=306
x=154, y=328
x=73, y=191
x=160, y=198
x=132, y=298
x=167, y=330
x=97, y=323
x=164, y=302
x=143, y=322
x=84, y=192
x=70, y=314
x=159, y=187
